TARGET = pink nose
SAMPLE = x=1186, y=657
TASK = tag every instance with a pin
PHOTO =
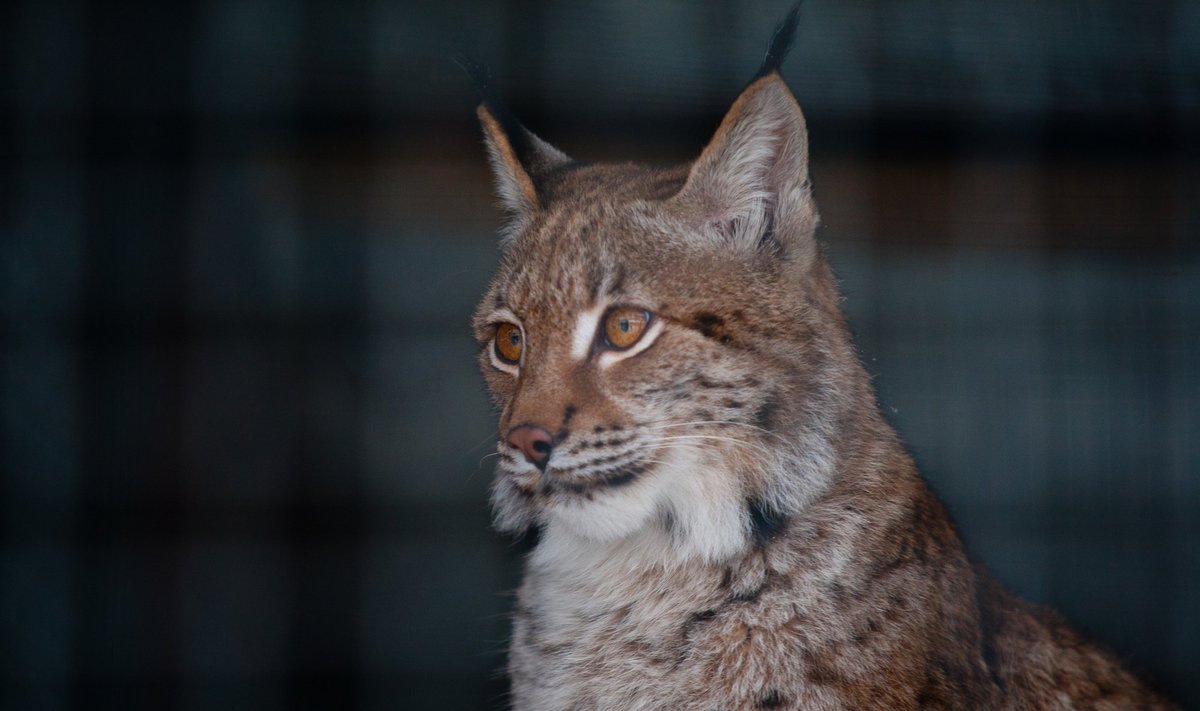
x=533, y=441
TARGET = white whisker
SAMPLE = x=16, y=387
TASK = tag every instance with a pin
x=716, y=438
x=733, y=423
x=490, y=436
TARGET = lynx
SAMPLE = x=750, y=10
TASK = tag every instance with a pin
x=726, y=519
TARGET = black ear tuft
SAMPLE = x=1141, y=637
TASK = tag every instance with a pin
x=521, y=162
x=481, y=76
x=781, y=42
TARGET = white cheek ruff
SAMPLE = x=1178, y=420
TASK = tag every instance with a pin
x=607, y=358
x=704, y=499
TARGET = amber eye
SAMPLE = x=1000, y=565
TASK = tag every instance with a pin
x=624, y=326
x=509, y=343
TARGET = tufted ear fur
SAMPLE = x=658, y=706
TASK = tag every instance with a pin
x=750, y=186
x=520, y=161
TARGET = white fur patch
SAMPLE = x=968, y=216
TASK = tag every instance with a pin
x=585, y=331
x=611, y=514
x=704, y=501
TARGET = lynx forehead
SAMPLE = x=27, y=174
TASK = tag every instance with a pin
x=726, y=520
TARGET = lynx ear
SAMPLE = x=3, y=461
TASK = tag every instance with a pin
x=520, y=160
x=750, y=185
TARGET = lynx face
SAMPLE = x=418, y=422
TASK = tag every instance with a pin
x=658, y=341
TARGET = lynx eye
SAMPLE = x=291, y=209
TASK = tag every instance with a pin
x=624, y=326
x=509, y=343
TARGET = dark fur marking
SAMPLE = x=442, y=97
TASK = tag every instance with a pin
x=606, y=460
x=621, y=478
x=601, y=443
x=528, y=539
x=764, y=416
x=695, y=620
x=878, y=570
x=523, y=492
x=563, y=430
x=843, y=594
x=669, y=524
x=707, y=384
x=765, y=522
x=750, y=595
x=772, y=699
x=588, y=487
x=709, y=324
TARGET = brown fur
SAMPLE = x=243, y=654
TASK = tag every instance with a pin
x=728, y=522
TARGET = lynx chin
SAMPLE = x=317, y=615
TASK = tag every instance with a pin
x=726, y=520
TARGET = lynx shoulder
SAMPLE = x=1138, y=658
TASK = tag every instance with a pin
x=726, y=520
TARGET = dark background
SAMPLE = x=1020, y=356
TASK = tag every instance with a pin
x=242, y=433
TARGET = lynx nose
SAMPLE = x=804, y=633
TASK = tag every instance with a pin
x=534, y=442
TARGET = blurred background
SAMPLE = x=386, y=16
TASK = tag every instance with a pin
x=241, y=431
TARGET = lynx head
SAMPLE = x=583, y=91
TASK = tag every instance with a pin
x=664, y=346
